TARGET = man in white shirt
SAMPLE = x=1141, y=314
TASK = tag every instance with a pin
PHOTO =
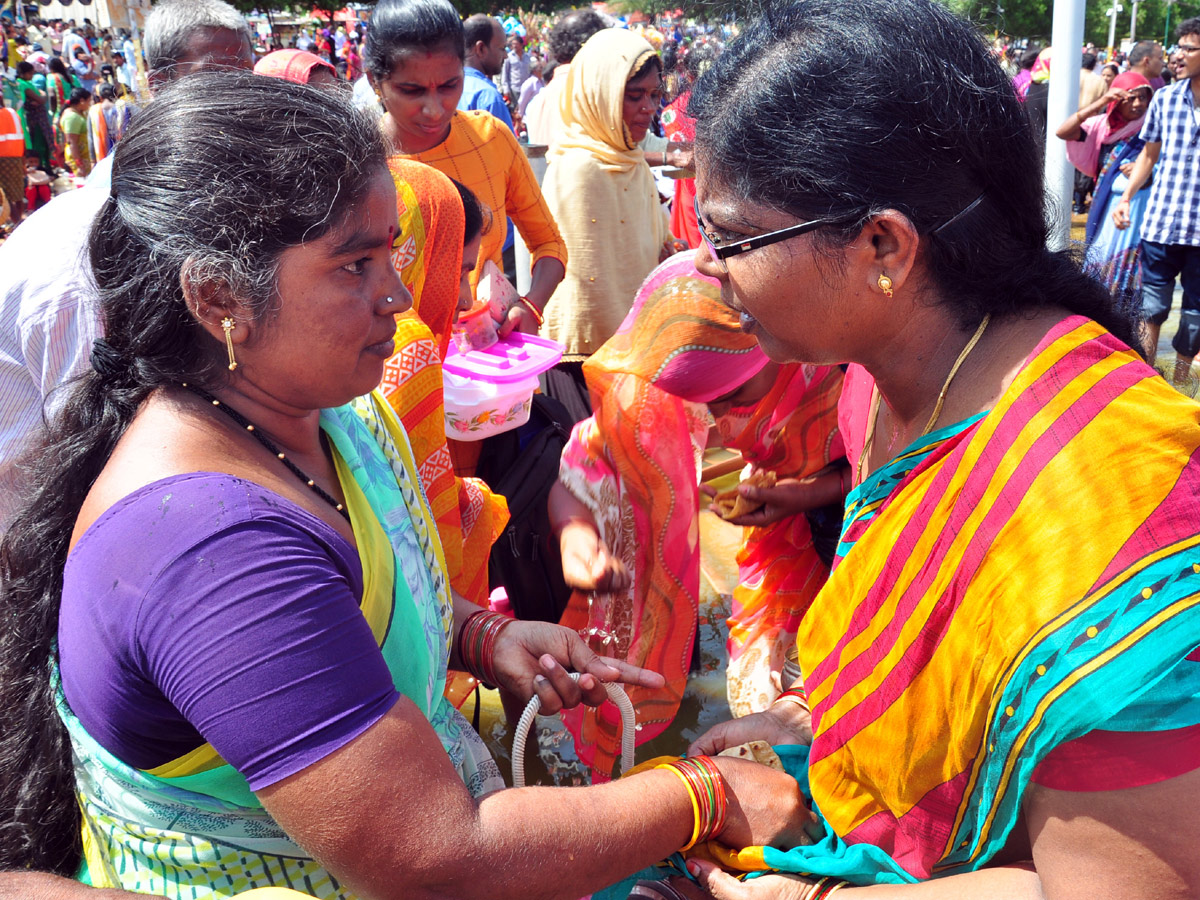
x=48, y=316
x=130, y=54
x=71, y=41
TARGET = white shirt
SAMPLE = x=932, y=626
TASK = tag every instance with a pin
x=363, y=96
x=130, y=66
x=70, y=40
x=48, y=320
x=531, y=88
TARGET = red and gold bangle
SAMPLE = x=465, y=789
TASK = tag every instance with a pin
x=477, y=643
x=706, y=789
x=534, y=311
x=797, y=695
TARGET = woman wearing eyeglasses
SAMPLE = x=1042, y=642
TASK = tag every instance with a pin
x=1001, y=668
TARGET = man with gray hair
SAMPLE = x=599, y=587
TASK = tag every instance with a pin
x=184, y=36
x=48, y=318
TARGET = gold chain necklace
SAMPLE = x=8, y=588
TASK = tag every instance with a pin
x=937, y=409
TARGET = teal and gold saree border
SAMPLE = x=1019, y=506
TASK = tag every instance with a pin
x=1132, y=630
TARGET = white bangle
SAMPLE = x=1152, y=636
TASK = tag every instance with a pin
x=793, y=699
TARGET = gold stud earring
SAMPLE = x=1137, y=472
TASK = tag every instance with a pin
x=227, y=327
x=885, y=285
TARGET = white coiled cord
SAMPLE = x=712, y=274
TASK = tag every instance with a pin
x=628, y=726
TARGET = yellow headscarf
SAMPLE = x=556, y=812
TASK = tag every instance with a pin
x=602, y=195
x=592, y=101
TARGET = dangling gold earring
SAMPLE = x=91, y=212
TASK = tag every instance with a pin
x=227, y=326
x=885, y=285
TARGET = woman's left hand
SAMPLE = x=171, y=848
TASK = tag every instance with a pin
x=780, y=723
x=537, y=657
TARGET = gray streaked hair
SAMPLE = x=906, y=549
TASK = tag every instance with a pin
x=172, y=23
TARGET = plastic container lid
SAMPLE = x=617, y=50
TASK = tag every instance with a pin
x=514, y=358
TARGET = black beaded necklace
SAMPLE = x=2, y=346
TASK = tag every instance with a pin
x=266, y=442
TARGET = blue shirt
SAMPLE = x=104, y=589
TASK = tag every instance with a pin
x=1173, y=212
x=480, y=93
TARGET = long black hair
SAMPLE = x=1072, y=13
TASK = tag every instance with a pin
x=809, y=113
x=212, y=182
x=400, y=26
x=477, y=218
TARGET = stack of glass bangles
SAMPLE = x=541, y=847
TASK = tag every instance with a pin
x=824, y=888
x=477, y=643
x=706, y=789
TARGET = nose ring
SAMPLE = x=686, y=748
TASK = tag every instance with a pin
x=389, y=300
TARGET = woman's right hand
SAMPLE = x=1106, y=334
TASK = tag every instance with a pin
x=766, y=807
x=1120, y=214
x=1113, y=95
x=588, y=564
x=783, y=722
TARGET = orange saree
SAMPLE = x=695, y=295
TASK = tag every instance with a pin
x=427, y=253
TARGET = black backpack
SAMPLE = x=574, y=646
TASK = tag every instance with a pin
x=522, y=465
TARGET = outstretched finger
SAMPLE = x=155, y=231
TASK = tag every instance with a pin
x=627, y=673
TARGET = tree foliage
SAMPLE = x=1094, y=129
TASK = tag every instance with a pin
x=1029, y=19
x=1033, y=18
x=324, y=8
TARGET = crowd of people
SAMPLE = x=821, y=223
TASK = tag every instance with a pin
x=245, y=573
x=73, y=90
x=1141, y=233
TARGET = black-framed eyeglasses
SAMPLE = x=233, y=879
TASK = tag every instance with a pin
x=1188, y=48
x=722, y=252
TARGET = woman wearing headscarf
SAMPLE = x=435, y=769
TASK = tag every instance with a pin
x=626, y=506
x=299, y=66
x=600, y=190
x=440, y=227
x=434, y=231
x=1102, y=139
